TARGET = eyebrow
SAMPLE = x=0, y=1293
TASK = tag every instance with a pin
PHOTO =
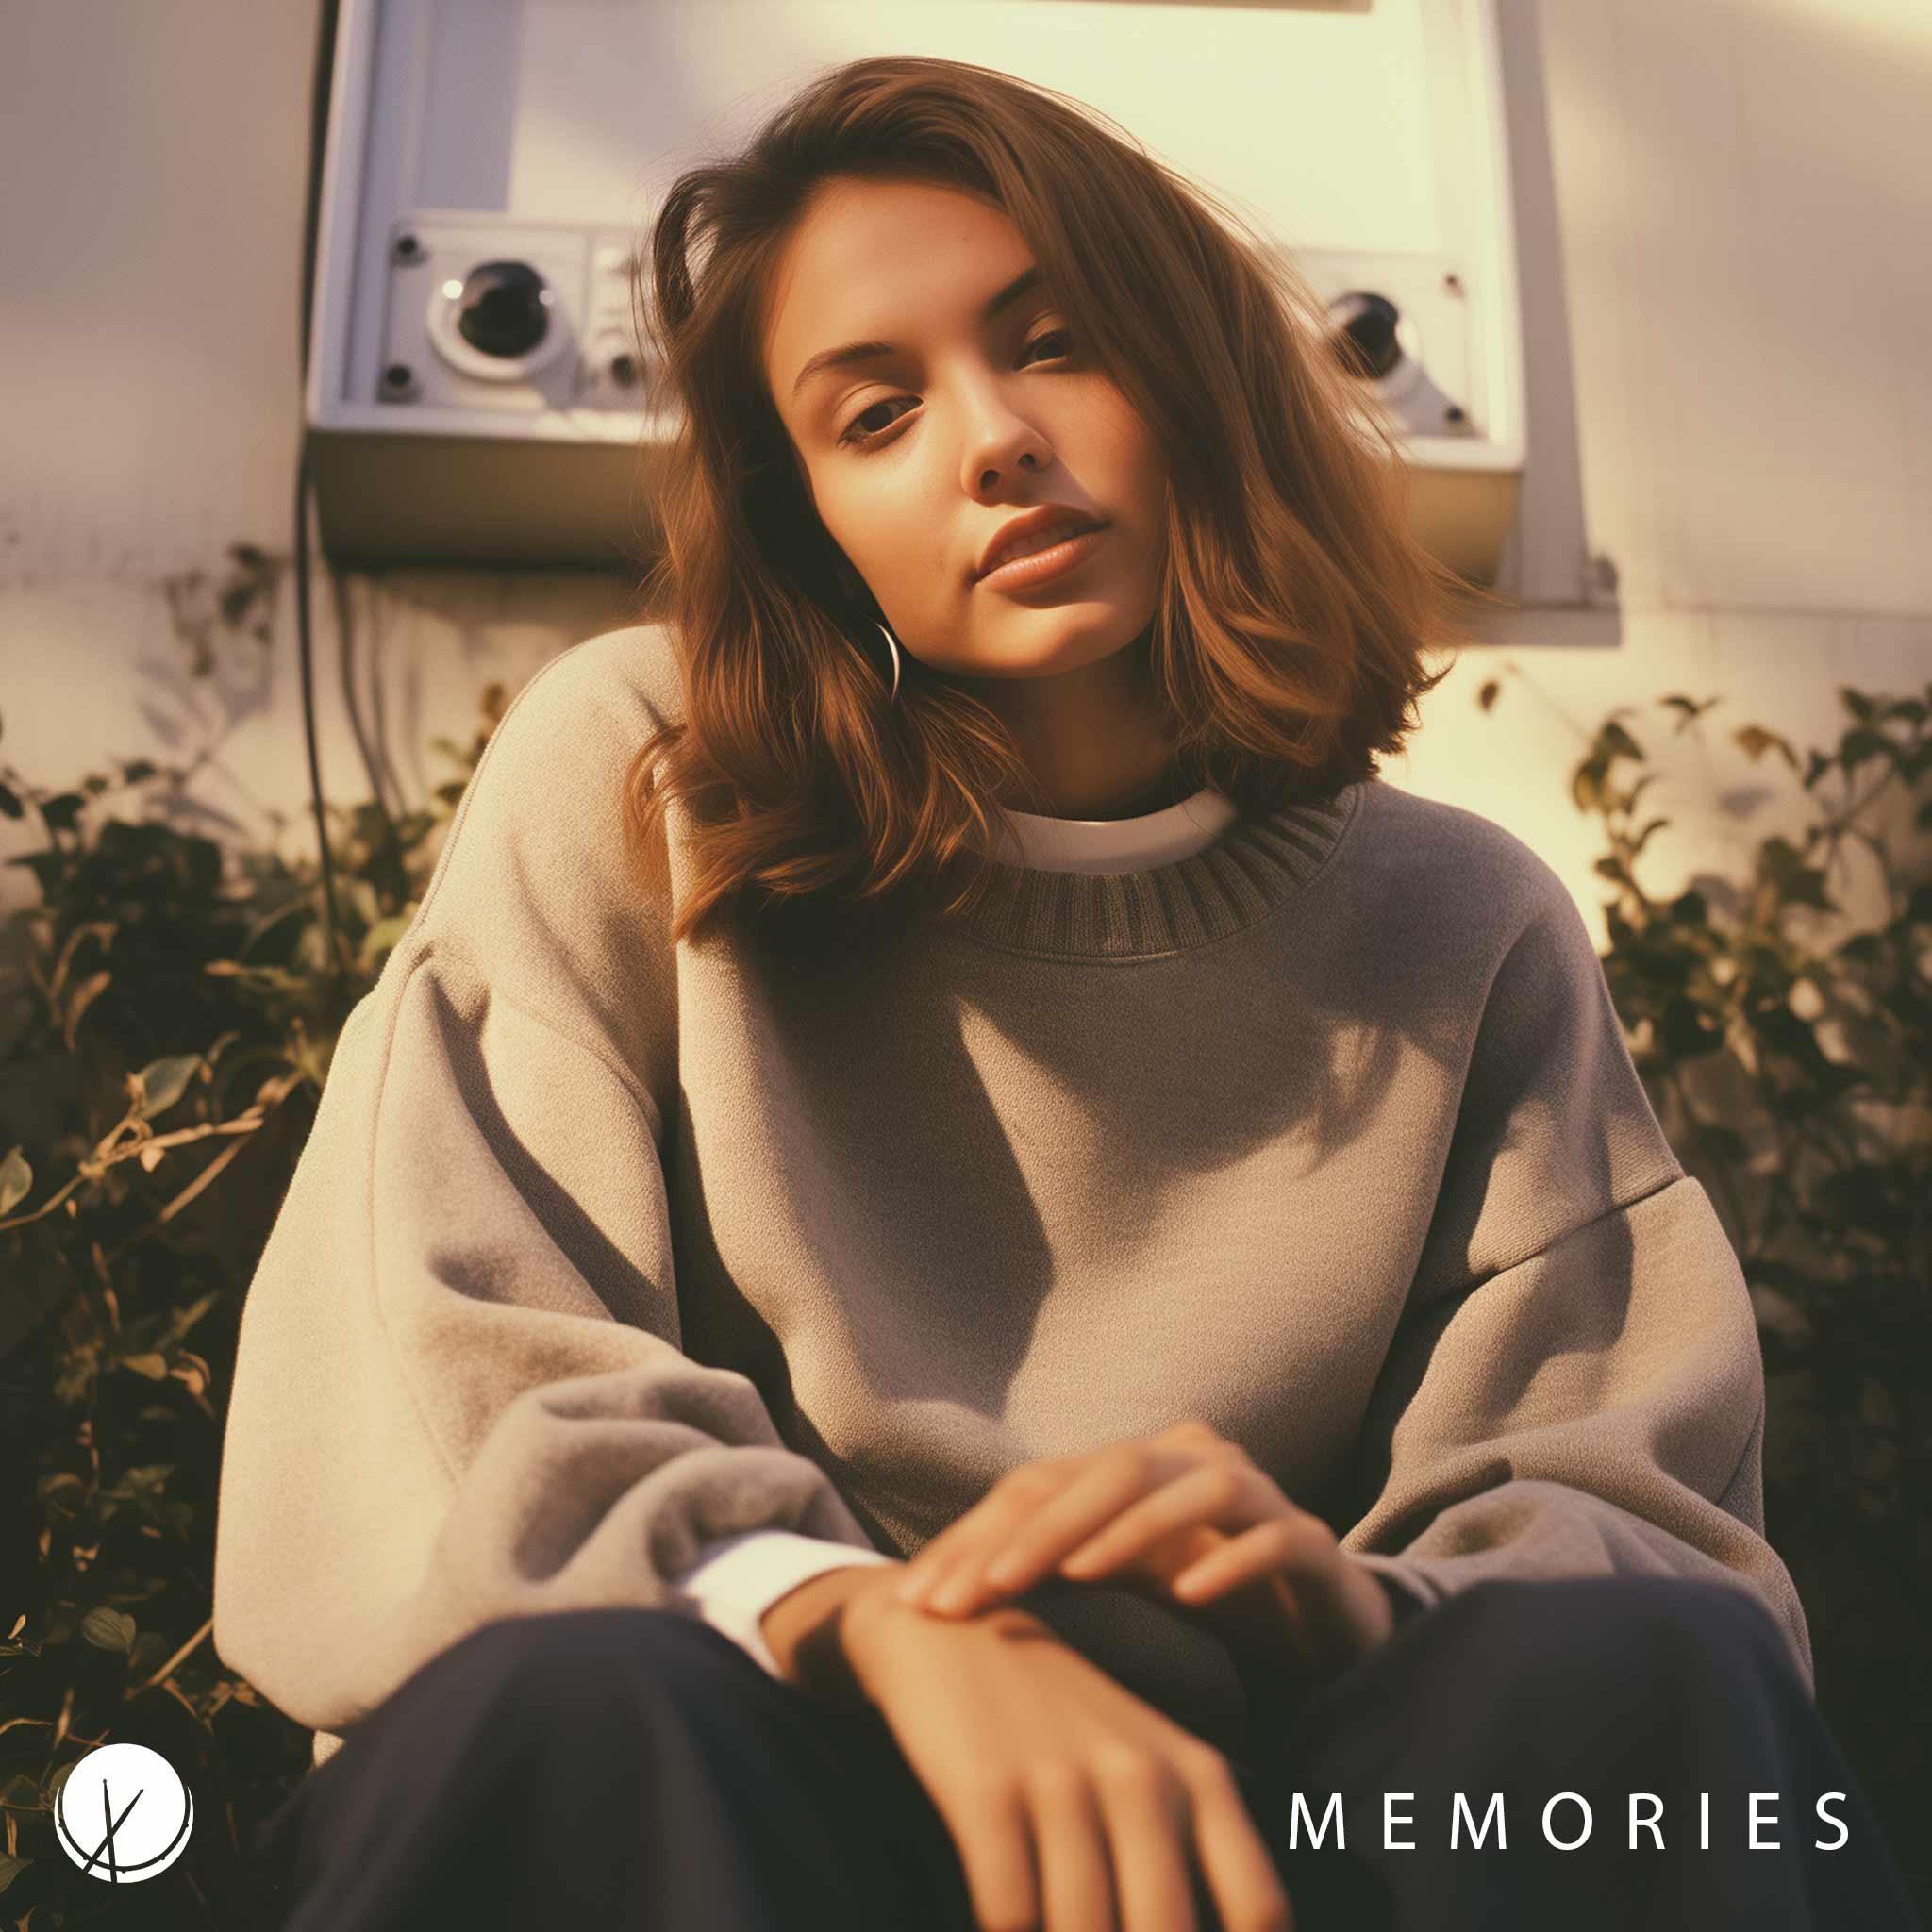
x=868, y=352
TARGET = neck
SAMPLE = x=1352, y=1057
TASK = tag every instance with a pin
x=1094, y=745
x=1169, y=788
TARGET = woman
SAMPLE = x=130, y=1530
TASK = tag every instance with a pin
x=1025, y=1114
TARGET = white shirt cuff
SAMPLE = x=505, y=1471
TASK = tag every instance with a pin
x=738, y=1578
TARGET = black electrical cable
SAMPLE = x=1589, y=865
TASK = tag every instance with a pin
x=389, y=858
x=336, y=960
x=321, y=82
x=320, y=87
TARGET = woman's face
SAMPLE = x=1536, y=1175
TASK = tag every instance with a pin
x=916, y=459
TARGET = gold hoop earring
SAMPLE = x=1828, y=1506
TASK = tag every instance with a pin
x=893, y=645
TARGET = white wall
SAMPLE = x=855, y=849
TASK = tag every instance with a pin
x=1735, y=191
x=1737, y=186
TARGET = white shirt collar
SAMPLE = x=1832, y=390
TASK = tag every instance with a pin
x=1137, y=844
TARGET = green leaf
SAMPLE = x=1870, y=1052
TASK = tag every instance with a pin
x=150, y=1651
x=1725, y=1142
x=85, y=995
x=185, y=1319
x=1689, y=1032
x=16, y=1180
x=1619, y=740
x=1859, y=747
x=1587, y=786
x=11, y=1869
x=1796, y=883
x=107, y=1628
x=1755, y=741
x=163, y=1082
x=1687, y=706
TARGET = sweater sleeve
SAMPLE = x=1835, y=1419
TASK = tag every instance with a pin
x=460, y=1394
x=1574, y=1385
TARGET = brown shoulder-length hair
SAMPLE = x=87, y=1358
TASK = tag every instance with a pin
x=1295, y=606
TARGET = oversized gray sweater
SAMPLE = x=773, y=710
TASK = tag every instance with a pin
x=603, y=1252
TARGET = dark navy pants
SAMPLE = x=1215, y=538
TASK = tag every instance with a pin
x=630, y=1768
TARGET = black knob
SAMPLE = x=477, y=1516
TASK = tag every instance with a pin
x=1365, y=341
x=501, y=310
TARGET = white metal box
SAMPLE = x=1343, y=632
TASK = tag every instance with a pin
x=500, y=161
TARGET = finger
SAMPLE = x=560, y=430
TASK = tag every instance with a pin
x=937, y=1558
x=1068, y=1834
x=1087, y=1500
x=986, y=1524
x=951, y=1585
x=1302, y=1554
x=983, y=1526
x=1224, y=1494
x=1354, y=1608
x=1234, y=1858
x=994, y=1841
x=1150, y=1831
x=1255, y=1553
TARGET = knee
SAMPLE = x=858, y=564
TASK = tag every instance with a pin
x=1684, y=1628
x=1634, y=1631
x=581, y=1665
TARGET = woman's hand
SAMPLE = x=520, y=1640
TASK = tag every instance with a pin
x=1075, y=1805
x=1186, y=1514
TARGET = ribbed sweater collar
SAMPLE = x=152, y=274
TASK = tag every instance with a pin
x=1253, y=867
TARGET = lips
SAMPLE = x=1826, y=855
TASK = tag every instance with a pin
x=1035, y=523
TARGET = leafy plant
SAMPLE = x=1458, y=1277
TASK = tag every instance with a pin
x=1790, y=1060
x=162, y=1046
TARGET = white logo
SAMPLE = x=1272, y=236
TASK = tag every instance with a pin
x=123, y=1813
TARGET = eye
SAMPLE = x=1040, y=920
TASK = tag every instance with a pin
x=856, y=437
x=852, y=433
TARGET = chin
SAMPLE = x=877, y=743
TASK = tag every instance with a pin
x=1042, y=648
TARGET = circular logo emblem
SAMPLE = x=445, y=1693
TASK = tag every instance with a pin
x=123, y=1814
